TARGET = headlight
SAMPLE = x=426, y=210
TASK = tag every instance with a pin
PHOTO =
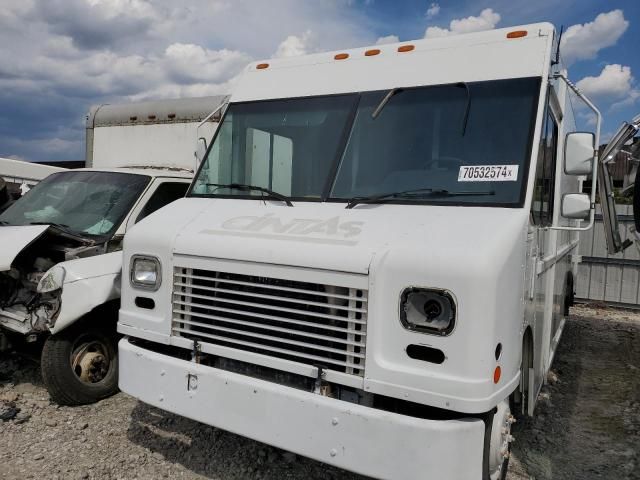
x=428, y=311
x=52, y=280
x=145, y=272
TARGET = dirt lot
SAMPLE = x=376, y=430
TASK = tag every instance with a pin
x=588, y=424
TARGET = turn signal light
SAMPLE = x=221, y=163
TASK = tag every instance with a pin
x=406, y=48
x=517, y=34
x=496, y=374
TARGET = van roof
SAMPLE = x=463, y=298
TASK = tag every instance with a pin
x=488, y=55
x=168, y=172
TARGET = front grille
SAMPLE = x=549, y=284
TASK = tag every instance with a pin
x=309, y=323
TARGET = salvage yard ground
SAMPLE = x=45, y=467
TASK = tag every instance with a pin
x=588, y=424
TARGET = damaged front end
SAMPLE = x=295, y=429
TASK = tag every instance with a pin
x=31, y=288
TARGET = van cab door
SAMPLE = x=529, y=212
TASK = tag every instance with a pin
x=626, y=134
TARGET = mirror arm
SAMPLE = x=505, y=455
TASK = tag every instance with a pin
x=594, y=167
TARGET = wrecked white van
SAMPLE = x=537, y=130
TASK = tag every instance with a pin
x=61, y=258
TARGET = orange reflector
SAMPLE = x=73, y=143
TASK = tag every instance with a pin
x=406, y=48
x=496, y=374
x=261, y=66
x=341, y=56
x=370, y=53
x=517, y=34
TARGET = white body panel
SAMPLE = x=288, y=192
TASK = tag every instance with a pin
x=14, y=239
x=165, y=145
x=435, y=61
x=18, y=171
x=379, y=444
x=88, y=283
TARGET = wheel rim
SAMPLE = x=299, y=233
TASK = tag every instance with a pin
x=91, y=361
x=500, y=440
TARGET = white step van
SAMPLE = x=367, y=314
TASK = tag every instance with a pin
x=373, y=265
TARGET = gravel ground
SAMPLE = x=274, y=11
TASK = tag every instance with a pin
x=587, y=424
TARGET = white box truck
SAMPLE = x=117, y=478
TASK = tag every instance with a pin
x=61, y=257
x=374, y=262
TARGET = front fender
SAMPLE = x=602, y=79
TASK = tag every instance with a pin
x=89, y=283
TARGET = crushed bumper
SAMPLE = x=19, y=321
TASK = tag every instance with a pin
x=357, y=438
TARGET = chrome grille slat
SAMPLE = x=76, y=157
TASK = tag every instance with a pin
x=271, y=349
x=284, y=289
x=273, y=297
x=313, y=324
x=268, y=307
x=276, y=339
x=256, y=315
x=265, y=327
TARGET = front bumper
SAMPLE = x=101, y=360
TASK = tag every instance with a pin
x=360, y=439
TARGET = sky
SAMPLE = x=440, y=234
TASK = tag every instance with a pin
x=60, y=57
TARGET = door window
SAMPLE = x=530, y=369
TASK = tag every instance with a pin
x=542, y=206
x=166, y=193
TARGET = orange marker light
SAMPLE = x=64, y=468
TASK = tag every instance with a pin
x=496, y=374
x=517, y=34
x=262, y=66
x=406, y=48
x=370, y=53
x=341, y=56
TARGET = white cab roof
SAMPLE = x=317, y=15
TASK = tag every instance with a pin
x=150, y=172
x=469, y=57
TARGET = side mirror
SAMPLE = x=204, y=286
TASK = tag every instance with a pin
x=576, y=206
x=201, y=149
x=579, y=151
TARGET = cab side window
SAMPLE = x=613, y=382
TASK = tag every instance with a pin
x=166, y=193
x=542, y=206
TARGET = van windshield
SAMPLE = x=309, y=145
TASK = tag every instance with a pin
x=465, y=143
x=83, y=202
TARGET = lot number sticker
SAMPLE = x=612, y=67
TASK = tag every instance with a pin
x=488, y=173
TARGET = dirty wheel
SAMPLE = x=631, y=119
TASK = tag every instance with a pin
x=80, y=365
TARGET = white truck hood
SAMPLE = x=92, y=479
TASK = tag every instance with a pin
x=14, y=239
x=330, y=237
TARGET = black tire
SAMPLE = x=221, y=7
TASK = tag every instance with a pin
x=80, y=365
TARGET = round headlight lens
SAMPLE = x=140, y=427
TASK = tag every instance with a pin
x=428, y=310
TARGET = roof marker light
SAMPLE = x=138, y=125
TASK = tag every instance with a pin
x=370, y=53
x=262, y=66
x=341, y=56
x=406, y=48
x=517, y=34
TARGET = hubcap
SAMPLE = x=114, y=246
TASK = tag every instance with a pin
x=90, y=361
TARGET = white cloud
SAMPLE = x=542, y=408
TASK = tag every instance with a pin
x=584, y=41
x=433, y=10
x=62, y=56
x=487, y=20
x=615, y=81
x=294, y=45
x=387, y=39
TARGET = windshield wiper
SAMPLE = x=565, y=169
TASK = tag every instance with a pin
x=4, y=222
x=60, y=226
x=416, y=193
x=242, y=186
x=384, y=101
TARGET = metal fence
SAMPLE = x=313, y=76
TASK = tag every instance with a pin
x=614, y=279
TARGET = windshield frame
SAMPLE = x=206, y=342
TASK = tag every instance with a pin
x=538, y=90
x=98, y=237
